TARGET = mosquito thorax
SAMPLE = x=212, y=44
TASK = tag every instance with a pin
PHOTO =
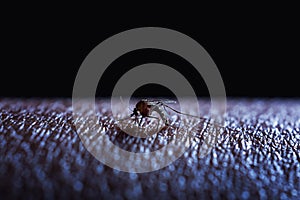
x=143, y=107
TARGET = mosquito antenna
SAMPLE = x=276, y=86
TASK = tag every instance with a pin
x=122, y=102
x=130, y=109
x=121, y=99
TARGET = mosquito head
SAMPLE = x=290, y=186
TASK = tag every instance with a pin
x=143, y=108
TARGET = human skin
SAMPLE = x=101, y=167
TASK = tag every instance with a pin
x=42, y=156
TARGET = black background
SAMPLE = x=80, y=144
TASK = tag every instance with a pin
x=256, y=47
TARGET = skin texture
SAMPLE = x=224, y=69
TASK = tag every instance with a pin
x=41, y=155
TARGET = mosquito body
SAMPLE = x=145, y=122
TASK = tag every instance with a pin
x=144, y=108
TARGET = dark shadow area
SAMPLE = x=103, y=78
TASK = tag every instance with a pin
x=133, y=59
x=256, y=53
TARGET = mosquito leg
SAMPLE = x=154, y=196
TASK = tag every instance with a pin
x=156, y=119
x=150, y=117
x=153, y=117
x=164, y=115
x=207, y=120
x=141, y=121
x=136, y=120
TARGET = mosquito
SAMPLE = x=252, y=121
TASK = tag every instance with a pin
x=144, y=109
